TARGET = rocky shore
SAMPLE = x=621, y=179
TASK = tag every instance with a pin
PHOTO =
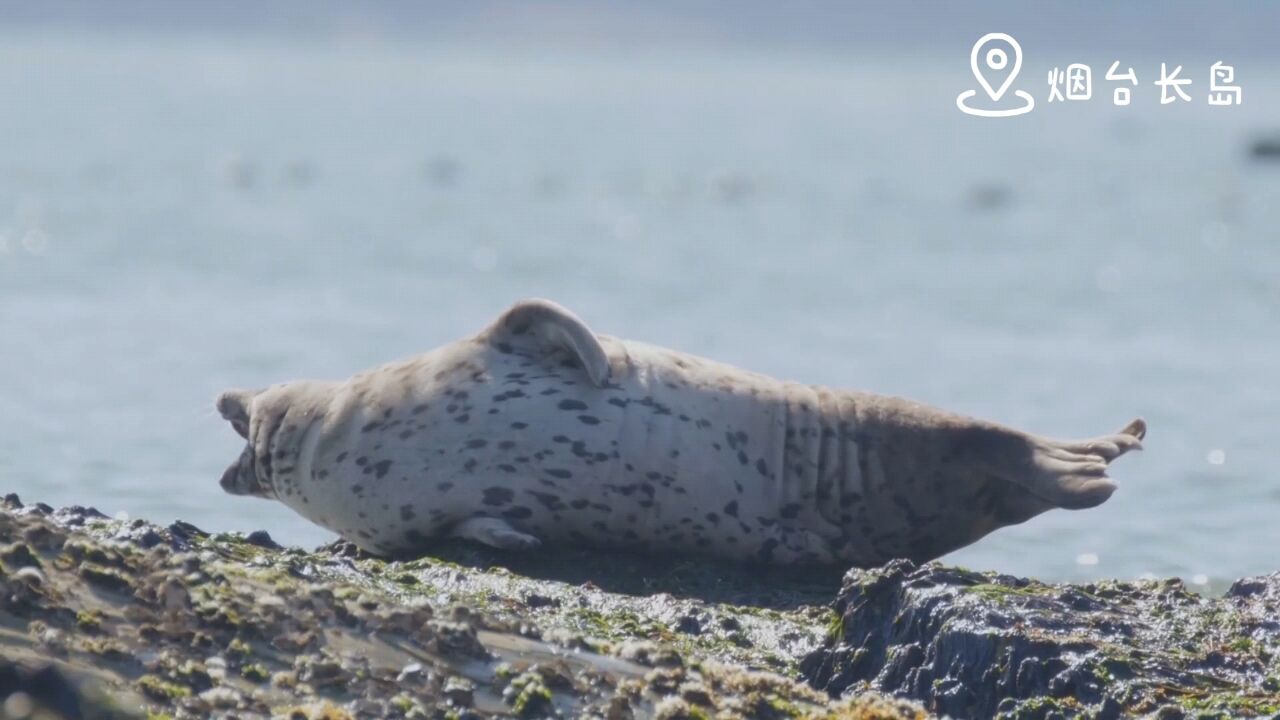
x=103, y=618
x=980, y=645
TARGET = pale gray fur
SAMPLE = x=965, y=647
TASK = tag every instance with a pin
x=537, y=431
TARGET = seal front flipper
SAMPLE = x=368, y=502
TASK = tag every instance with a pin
x=544, y=325
x=495, y=533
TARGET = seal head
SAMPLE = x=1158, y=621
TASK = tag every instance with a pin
x=241, y=478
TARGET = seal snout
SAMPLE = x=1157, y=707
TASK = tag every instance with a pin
x=240, y=478
x=230, y=481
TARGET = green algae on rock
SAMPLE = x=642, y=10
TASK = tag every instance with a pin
x=176, y=623
x=970, y=644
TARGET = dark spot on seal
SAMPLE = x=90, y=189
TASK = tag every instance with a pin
x=579, y=504
x=588, y=420
x=517, y=513
x=419, y=409
x=559, y=473
x=762, y=468
x=406, y=513
x=462, y=418
x=742, y=458
x=731, y=509
x=371, y=426
x=477, y=443
x=619, y=402
x=380, y=468
x=444, y=486
x=713, y=518
x=507, y=468
x=497, y=496
x=790, y=511
x=548, y=500
x=766, y=550
x=341, y=456
x=519, y=425
x=362, y=461
x=572, y=405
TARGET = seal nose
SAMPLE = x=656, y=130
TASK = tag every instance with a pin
x=229, y=478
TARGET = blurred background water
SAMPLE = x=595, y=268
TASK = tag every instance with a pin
x=192, y=203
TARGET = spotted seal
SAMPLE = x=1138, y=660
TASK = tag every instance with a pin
x=537, y=430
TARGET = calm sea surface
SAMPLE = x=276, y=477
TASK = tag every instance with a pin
x=180, y=216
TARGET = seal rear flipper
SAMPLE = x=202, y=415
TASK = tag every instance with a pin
x=496, y=533
x=549, y=326
x=1073, y=474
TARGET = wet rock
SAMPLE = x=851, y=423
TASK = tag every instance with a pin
x=105, y=577
x=77, y=515
x=18, y=555
x=184, y=532
x=47, y=692
x=262, y=539
x=970, y=644
x=412, y=673
x=535, y=600
x=459, y=692
x=199, y=625
x=689, y=625
x=454, y=639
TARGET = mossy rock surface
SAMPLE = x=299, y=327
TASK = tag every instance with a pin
x=149, y=621
x=973, y=644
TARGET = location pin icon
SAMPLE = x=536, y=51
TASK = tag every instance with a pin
x=991, y=63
